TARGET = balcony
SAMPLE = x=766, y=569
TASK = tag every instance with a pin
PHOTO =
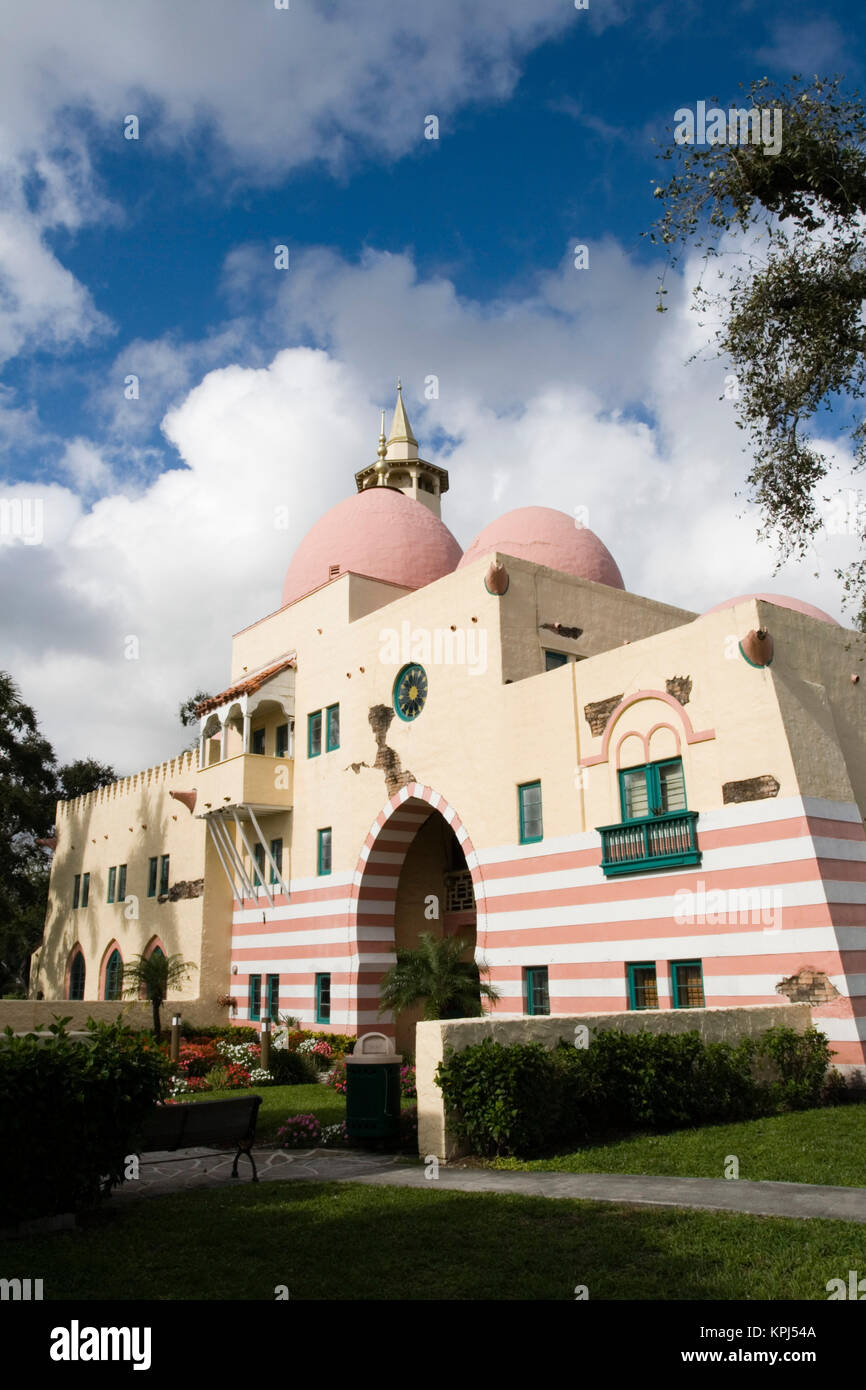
x=249, y=779
x=652, y=842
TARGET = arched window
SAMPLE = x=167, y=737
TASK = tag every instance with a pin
x=76, y=976
x=155, y=954
x=113, y=975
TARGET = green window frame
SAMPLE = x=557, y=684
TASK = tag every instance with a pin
x=643, y=988
x=536, y=986
x=652, y=789
x=687, y=989
x=323, y=850
x=152, y=871
x=257, y=744
x=163, y=875
x=112, y=883
x=553, y=659
x=259, y=861
x=121, y=883
x=314, y=734
x=255, y=997
x=281, y=745
x=76, y=891
x=531, y=821
x=77, y=975
x=277, y=856
x=332, y=728
x=85, y=889
x=272, y=995
x=323, y=998
x=113, y=975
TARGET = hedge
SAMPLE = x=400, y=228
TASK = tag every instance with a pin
x=523, y=1098
x=70, y=1112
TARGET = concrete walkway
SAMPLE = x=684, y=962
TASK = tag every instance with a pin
x=195, y=1168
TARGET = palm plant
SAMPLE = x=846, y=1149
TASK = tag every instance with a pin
x=155, y=974
x=450, y=987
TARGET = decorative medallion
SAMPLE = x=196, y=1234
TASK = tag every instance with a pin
x=410, y=691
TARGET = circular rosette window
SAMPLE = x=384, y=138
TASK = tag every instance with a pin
x=410, y=691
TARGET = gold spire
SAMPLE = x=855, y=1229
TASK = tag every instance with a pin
x=401, y=430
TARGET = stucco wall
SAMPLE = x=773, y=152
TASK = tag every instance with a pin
x=432, y=1039
x=22, y=1015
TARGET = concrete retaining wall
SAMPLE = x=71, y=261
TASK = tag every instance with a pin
x=435, y=1136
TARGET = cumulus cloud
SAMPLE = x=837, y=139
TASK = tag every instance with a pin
x=577, y=395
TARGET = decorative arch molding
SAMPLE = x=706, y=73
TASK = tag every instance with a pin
x=154, y=943
x=112, y=946
x=76, y=951
x=372, y=904
x=691, y=734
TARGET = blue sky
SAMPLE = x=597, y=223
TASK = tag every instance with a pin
x=408, y=255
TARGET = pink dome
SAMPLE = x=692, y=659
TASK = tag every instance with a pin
x=781, y=601
x=548, y=537
x=379, y=532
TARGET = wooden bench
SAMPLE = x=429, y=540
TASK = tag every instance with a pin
x=187, y=1125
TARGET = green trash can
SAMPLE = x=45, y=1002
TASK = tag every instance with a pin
x=373, y=1089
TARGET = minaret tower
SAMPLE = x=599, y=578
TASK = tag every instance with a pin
x=398, y=465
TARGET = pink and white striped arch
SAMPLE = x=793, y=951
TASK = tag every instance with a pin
x=373, y=893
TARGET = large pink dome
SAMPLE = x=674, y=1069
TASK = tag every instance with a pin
x=548, y=537
x=781, y=601
x=378, y=532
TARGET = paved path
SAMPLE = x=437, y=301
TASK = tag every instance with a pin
x=194, y=1168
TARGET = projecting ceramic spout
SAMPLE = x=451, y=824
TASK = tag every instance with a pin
x=757, y=647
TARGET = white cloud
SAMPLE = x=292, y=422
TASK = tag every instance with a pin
x=532, y=394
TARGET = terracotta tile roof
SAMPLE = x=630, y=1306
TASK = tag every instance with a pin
x=245, y=687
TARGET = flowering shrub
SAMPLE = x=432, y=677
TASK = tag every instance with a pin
x=333, y=1134
x=231, y=1077
x=260, y=1076
x=409, y=1127
x=337, y=1078
x=407, y=1082
x=300, y=1132
x=338, y=1043
x=318, y=1050
x=189, y=1085
x=196, y=1059
x=242, y=1054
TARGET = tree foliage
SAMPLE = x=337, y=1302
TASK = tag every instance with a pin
x=155, y=974
x=30, y=785
x=791, y=315
x=450, y=987
x=186, y=712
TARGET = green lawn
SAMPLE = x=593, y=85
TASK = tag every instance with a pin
x=346, y=1241
x=822, y=1146
x=279, y=1102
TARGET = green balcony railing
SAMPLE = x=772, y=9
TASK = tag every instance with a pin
x=652, y=842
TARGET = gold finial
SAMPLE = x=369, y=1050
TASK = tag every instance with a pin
x=381, y=452
x=399, y=385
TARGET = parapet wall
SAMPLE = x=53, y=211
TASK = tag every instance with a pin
x=137, y=782
x=431, y=1039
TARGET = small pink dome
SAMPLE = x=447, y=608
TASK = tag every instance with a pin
x=548, y=537
x=781, y=601
x=379, y=532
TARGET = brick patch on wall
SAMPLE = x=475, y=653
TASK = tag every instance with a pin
x=680, y=687
x=750, y=789
x=599, y=712
x=808, y=986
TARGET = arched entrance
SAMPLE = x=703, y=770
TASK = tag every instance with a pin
x=416, y=874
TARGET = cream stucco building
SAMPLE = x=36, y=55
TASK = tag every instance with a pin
x=618, y=803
